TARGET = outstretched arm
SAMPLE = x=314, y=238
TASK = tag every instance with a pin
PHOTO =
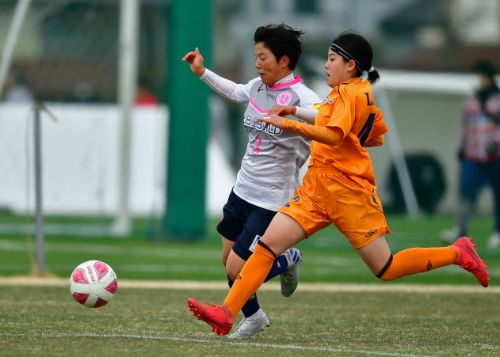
x=307, y=114
x=220, y=85
x=322, y=134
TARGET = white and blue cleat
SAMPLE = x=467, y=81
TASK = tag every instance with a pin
x=290, y=278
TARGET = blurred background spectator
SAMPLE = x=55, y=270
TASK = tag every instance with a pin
x=479, y=152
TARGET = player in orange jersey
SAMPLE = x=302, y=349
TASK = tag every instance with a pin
x=339, y=188
x=269, y=170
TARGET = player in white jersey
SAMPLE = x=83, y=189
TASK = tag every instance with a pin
x=269, y=170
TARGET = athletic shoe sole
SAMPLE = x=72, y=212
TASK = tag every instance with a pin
x=221, y=324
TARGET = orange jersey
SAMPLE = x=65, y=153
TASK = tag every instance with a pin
x=351, y=108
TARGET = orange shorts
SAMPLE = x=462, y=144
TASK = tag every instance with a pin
x=329, y=196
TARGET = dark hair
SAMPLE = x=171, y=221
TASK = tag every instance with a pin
x=352, y=46
x=282, y=40
x=485, y=68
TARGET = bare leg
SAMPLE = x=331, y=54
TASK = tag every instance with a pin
x=283, y=233
x=234, y=264
x=227, y=246
x=376, y=254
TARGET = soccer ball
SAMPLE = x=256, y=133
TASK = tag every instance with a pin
x=93, y=283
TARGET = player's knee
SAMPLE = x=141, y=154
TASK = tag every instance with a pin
x=383, y=275
x=231, y=274
x=232, y=270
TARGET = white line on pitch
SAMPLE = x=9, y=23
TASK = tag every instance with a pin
x=273, y=286
x=219, y=341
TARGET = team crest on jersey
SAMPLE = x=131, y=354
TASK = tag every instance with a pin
x=284, y=98
x=328, y=100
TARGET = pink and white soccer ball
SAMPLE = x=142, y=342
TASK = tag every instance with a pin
x=93, y=283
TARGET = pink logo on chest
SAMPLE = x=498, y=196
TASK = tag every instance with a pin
x=284, y=98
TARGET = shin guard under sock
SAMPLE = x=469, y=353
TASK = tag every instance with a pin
x=418, y=260
x=251, y=306
x=250, y=278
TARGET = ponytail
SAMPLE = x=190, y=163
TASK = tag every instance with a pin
x=373, y=75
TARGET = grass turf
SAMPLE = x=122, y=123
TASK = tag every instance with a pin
x=327, y=255
x=44, y=321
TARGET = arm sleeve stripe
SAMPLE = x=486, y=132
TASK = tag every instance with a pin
x=365, y=131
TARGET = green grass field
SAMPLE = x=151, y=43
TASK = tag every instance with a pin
x=44, y=321
x=327, y=255
x=434, y=318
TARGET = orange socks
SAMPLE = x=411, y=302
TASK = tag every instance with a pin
x=418, y=260
x=251, y=277
x=406, y=262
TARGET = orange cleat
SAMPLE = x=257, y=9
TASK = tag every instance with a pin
x=469, y=260
x=217, y=316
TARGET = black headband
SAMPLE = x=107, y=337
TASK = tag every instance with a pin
x=336, y=48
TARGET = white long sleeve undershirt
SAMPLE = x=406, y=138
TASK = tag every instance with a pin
x=241, y=93
x=225, y=87
x=307, y=114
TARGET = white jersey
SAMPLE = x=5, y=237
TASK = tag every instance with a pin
x=270, y=168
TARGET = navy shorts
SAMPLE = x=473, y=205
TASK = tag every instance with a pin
x=242, y=222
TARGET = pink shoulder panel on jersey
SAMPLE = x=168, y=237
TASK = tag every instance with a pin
x=282, y=85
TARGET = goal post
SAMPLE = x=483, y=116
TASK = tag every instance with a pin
x=187, y=99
